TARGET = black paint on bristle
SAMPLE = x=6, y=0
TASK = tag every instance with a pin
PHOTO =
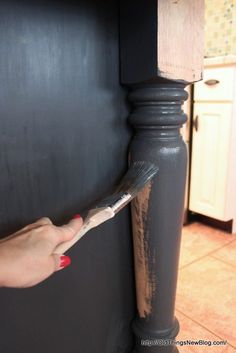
x=136, y=178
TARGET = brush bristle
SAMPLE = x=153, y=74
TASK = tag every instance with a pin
x=137, y=177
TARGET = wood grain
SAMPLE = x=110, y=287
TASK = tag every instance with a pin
x=180, y=39
x=145, y=283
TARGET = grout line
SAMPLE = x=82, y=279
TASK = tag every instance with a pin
x=196, y=322
x=225, y=262
x=202, y=257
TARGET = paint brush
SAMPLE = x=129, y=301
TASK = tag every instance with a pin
x=138, y=175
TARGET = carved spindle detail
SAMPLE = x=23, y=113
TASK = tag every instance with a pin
x=157, y=211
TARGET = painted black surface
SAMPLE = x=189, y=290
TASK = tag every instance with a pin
x=157, y=117
x=138, y=38
x=63, y=143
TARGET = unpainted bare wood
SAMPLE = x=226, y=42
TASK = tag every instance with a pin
x=161, y=39
x=180, y=39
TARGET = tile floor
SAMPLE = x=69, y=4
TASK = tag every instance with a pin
x=206, y=294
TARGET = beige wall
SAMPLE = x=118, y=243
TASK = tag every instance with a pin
x=220, y=27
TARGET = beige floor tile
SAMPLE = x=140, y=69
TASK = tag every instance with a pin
x=189, y=330
x=206, y=293
x=227, y=253
x=199, y=240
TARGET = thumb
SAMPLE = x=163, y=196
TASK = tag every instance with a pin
x=60, y=261
x=69, y=230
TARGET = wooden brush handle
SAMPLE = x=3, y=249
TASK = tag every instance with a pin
x=93, y=219
x=63, y=247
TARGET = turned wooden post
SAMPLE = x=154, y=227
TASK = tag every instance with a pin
x=157, y=211
x=161, y=52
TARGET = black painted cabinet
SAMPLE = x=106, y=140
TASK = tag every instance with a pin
x=63, y=143
x=67, y=72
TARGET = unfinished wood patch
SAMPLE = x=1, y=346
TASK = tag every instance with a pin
x=145, y=283
x=180, y=48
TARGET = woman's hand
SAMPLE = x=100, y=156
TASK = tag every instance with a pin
x=27, y=258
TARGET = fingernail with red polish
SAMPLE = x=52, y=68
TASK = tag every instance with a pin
x=77, y=216
x=64, y=261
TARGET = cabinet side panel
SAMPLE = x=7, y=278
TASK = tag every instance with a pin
x=63, y=144
x=231, y=190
